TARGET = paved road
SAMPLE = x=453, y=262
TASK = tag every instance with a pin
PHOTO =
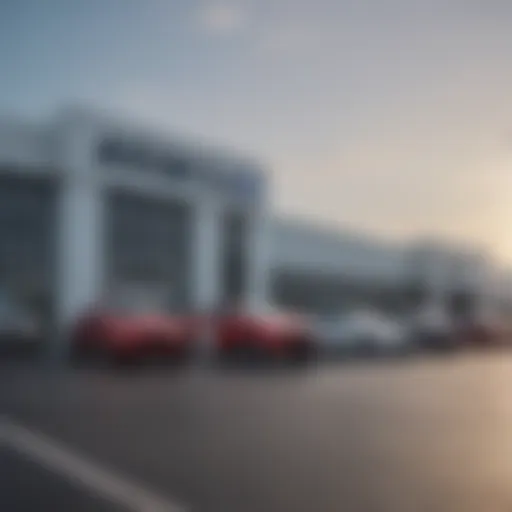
x=28, y=487
x=425, y=435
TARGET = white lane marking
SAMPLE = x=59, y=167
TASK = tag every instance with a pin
x=76, y=468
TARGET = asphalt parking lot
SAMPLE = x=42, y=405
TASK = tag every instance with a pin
x=432, y=434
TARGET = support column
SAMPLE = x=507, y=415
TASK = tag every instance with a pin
x=80, y=248
x=80, y=222
x=206, y=253
x=206, y=273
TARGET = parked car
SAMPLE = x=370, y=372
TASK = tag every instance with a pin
x=331, y=334
x=483, y=332
x=361, y=331
x=20, y=330
x=431, y=328
x=129, y=333
x=264, y=333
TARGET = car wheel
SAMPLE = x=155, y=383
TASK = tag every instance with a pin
x=230, y=355
x=180, y=357
x=365, y=347
x=96, y=356
x=75, y=356
x=82, y=355
x=246, y=353
x=122, y=359
x=300, y=353
x=438, y=343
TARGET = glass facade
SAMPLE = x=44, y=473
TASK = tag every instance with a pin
x=148, y=241
x=28, y=241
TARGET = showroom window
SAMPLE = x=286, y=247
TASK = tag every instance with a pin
x=234, y=274
x=148, y=241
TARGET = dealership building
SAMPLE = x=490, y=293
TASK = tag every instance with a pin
x=90, y=204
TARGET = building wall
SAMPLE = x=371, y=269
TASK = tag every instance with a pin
x=104, y=155
x=331, y=268
x=311, y=248
x=315, y=268
x=67, y=150
x=149, y=164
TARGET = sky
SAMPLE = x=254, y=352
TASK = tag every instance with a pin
x=392, y=117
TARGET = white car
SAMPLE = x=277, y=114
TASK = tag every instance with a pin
x=361, y=331
x=432, y=328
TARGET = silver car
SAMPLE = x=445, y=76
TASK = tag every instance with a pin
x=360, y=331
x=432, y=328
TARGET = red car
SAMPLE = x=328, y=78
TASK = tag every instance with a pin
x=123, y=336
x=268, y=334
x=481, y=334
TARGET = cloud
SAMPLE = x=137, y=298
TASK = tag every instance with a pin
x=220, y=18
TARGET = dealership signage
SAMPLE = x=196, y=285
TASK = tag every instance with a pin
x=115, y=151
x=243, y=185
